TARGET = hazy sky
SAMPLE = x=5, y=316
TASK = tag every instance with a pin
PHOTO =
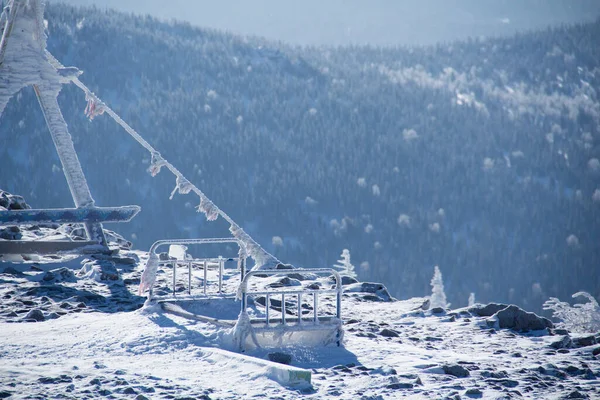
x=382, y=22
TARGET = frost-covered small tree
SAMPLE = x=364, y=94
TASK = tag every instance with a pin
x=438, y=297
x=471, y=299
x=344, y=264
x=580, y=318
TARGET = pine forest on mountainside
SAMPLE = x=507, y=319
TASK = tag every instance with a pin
x=478, y=156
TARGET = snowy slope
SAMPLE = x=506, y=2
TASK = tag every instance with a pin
x=90, y=344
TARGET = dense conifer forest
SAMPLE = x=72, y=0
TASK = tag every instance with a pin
x=481, y=157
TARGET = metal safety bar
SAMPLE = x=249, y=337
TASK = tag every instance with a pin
x=206, y=263
x=298, y=293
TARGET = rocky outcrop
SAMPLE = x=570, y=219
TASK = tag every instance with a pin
x=375, y=291
x=12, y=201
x=517, y=319
x=486, y=310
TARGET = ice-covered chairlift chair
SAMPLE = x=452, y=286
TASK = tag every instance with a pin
x=271, y=328
x=178, y=257
x=314, y=328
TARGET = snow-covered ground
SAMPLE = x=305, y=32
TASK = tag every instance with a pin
x=73, y=326
x=96, y=339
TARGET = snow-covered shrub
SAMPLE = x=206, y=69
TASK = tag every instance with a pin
x=277, y=241
x=580, y=318
x=375, y=189
x=573, y=241
x=471, y=299
x=404, y=220
x=409, y=135
x=594, y=165
x=438, y=297
x=344, y=264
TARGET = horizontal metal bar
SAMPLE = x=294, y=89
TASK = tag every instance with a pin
x=164, y=242
x=182, y=263
x=293, y=320
x=45, y=247
x=69, y=215
x=286, y=292
x=214, y=261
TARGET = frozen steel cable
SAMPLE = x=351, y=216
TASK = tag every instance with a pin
x=96, y=106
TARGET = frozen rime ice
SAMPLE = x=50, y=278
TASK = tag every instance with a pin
x=24, y=62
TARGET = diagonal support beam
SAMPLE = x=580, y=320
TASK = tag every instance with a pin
x=47, y=97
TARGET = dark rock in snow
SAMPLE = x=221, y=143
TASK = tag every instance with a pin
x=4, y=202
x=284, y=266
x=12, y=271
x=551, y=370
x=400, y=385
x=377, y=289
x=455, y=370
x=474, y=393
x=389, y=333
x=348, y=280
x=11, y=233
x=561, y=343
x=494, y=374
x=35, y=315
x=61, y=274
x=285, y=281
x=596, y=351
x=509, y=383
x=371, y=297
x=515, y=318
x=12, y=202
x=437, y=310
x=385, y=371
x=52, y=315
x=17, y=203
x=573, y=370
x=576, y=395
x=164, y=256
x=61, y=379
x=486, y=310
x=297, y=276
x=281, y=358
x=584, y=341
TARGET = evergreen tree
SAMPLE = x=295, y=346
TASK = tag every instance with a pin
x=344, y=264
x=438, y=297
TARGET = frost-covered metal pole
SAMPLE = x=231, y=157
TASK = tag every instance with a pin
x=7, y=19
x=47, y=97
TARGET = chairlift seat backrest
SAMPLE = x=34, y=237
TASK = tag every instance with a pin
x=178, y=252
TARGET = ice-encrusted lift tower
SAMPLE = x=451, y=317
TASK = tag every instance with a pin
x=24, y=62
